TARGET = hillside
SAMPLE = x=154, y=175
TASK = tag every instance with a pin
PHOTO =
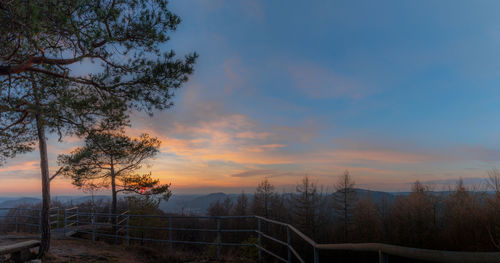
x=178, y=204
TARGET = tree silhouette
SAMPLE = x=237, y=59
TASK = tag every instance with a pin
x=263, y=198
x=306, y=207
x=111, y=159
x=41, y=92
x=241, y=206
x=220, y=208
x=344, y=200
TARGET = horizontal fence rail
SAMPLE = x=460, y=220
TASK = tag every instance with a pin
x=26, y=219
x=127, y=227
x=417, y=253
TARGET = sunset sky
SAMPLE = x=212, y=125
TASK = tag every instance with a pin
x=393, y=91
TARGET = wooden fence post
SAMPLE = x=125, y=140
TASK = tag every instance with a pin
x=170, y=234
x=77, y=217
x=316, y=255
x=218, y=238
x=93, y=227
x=289, y=241
x=259, y=227
x=17, y=220
x=65, y=221
x=128, y=235
x=39, y=221
x=115, y=226
x=382, y=258
x=58, y=219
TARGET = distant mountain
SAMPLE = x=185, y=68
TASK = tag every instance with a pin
x=198, y=204
x=193, y=204
x=10, y=203
x=182, y=204
x=19, y=201
x=376, y=196
x=77, y=200
x=5, y=198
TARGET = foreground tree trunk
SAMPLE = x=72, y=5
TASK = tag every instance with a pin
x=44, y=167
x=345, y=212
x=114, y=199
x=113, y=189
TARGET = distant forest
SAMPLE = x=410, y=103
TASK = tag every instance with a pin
x=463, y=218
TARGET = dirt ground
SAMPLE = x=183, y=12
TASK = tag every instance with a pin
x=79, y=250
x=69, y=250
x=86, y=251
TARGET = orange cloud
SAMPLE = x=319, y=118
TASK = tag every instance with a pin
x=209, y=146
x=26, y=166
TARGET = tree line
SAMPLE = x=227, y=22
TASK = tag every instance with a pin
x=461, y=218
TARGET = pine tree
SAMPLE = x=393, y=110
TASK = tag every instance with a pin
x=41, y=93
x=111, y=159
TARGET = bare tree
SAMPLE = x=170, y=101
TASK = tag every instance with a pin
x=241, y=206
x=493, y=205
x=464, y=224
x=413, y=218
x=306, y=207
x=263, y=198
x=219, y=208
x=344, y=200
x=493, y=180
x=367, y=221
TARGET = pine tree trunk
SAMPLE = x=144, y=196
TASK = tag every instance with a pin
x=345, y=214
x=113, y=191
x=114, y=198
x=44, y=167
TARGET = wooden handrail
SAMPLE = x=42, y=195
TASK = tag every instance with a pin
x=300, y=234
x=303, y=236
x=121, y=221
x=417, y=253
x=406, y=252
x=383, y=249
x=126, y=212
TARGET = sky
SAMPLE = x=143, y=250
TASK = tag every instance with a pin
x=393, y=91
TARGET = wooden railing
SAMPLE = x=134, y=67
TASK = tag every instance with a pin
x=91, y=223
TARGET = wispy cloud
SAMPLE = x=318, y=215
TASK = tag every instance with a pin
x=264, y=173
x=470, y=181
x=370, y=155
x=481, y=153
x=25, y=166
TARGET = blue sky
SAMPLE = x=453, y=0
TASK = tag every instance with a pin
x=423, y=72
x=415, y=77
x=394, y=91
